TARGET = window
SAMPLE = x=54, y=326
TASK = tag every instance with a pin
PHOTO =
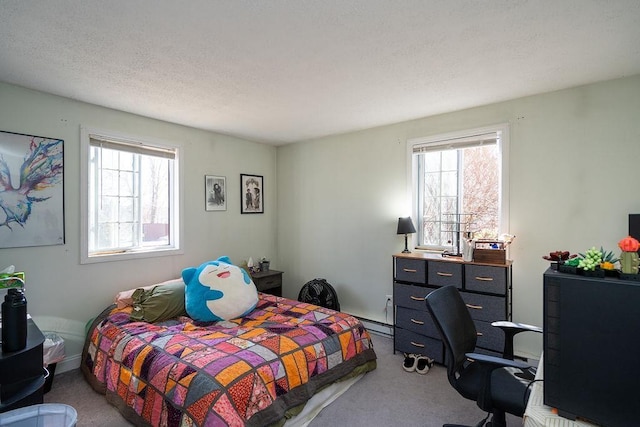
x=131, y=197
x=460, y=186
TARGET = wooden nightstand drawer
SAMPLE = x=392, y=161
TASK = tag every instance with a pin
x=444, y=273
x=411, y=270
x=484, y=278
x=269, y=281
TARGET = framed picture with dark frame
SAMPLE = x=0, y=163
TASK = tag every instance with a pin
x=215, y=193
x=251, y=194
x=31, y=190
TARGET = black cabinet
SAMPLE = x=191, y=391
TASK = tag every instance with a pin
x=485, y=288
x=591, y=347
x=21, y=372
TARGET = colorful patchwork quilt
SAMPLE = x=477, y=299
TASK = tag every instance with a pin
x=244, y=372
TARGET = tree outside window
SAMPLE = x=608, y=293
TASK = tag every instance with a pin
x=457, y=189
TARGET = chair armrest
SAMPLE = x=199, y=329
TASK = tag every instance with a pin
x=494, y=362
x=510, y=329
x=487, y=365
x=517, y=327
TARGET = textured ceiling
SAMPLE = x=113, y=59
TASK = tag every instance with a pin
x=280, y=71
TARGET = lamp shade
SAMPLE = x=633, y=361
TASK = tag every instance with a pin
x=405, y=226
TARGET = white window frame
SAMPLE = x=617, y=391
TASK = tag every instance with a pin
x=445, y=140
x=177, y=198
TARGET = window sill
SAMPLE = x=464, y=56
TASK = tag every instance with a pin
x=92, y=259
x=430, y=251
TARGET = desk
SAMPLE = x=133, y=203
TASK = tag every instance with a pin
x=537, y=414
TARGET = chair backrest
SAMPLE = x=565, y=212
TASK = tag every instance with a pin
x=451, y=317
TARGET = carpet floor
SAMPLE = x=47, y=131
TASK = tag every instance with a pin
x=387, y=396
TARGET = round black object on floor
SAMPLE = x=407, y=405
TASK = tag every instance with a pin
x=321, y=293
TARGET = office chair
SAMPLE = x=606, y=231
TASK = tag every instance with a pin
x=498, y=385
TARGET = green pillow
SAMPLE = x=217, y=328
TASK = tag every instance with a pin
x=159, y=303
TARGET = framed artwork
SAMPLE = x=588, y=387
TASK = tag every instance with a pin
x=215, y=193
x=251, y=194
x=31, y=190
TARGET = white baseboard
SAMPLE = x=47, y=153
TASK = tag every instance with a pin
x=379, y=328
x=69, y=363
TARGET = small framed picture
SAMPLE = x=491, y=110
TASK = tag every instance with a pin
x=252, y=194
x=215, y=193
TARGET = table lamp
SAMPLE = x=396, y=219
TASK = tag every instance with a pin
x=405, y=226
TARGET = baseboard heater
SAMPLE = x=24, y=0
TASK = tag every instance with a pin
x=376, y=327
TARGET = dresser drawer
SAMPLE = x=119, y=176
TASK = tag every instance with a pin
x=410, y=296
x=485, y=307
x=444, y=273
x=411, y=270
x=410, y=342
x=416, y=321
x=484, y=278
x=489, y=337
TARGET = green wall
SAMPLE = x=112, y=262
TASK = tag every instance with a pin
x=63, y=295
x=573, y=173
x=331, y=204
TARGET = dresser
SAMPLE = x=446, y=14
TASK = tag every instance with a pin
x=485, y=288
x=269, y=281
x=22, y=373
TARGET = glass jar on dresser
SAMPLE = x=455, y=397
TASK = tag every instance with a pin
x=485, y=288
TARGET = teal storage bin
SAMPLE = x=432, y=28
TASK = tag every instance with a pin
x=42, y=415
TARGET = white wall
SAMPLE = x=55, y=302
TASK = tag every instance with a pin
x=573, y=170
x=574, y=177
x=62, y=294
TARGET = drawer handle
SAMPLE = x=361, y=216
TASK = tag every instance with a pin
x=440, y=273
x=485, y=279
x=417, y=344
x=417, y=298
x=409, y=270
x=475, y=307
x=417, y=322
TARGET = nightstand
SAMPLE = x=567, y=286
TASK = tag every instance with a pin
x=269, y=282
x=22, y=372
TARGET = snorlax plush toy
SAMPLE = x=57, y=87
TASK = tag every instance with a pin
x=218, y=290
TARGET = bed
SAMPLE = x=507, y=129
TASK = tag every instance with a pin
x=258, y=370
